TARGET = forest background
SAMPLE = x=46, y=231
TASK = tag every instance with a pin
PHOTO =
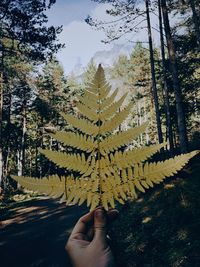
x=163, y=82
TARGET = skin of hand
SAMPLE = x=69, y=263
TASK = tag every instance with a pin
x=87, y=245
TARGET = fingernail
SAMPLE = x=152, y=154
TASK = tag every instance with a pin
x=99, y=214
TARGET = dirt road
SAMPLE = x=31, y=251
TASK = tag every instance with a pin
x=35, y=234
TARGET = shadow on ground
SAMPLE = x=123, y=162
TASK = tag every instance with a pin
x=35, y=233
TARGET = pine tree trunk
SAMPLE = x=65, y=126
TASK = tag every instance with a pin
x=36, y=158
x=1, y=117
x=165, y=85
x=155, y=95
x=41, y=144
x=177, y=89
x=21, y=157
x=7, y=143
x=145, y=119
x=195, y=21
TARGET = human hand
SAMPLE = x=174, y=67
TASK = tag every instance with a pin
x=87, y=245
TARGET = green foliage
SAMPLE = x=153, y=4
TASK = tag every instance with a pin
x=135, y=75
x=104, y=173
x=25, y=21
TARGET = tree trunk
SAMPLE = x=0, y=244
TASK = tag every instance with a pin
x=21, y=157
x=145, y=119
x=195, y=20
x=154, y=88
x=165, y=85
x=177, y=89
x=1, y=116
x=7, y=143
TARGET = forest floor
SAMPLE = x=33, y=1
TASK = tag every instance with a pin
x=160, y=229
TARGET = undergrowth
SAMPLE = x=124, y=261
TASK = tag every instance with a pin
x=162, y=227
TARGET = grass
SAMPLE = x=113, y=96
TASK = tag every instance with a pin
x=162, y=227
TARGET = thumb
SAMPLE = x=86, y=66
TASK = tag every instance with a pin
x=100, y=226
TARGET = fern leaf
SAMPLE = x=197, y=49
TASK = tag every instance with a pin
x=114, y=122
x=87, y=112
x=104, y=91
x=112, y=109
x=83, y=125
x=131, y=157
x=156, y=172
x=114, y=142
x=104, y=174
x=64, y=160
x=53, y=185
x=141, y=154
x=109, y=100
x=75, y=140
x=89, y=99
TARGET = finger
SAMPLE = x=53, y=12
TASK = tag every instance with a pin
x=100, y=226
x=90, y=233
x=111, y=216
x=81, y=225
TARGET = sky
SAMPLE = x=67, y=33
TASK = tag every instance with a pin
x=81, y=41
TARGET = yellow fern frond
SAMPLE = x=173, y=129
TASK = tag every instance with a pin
x=104, y=91
x=82, y=142
x=74, y=162
x=89, y=99
x=131, y=157
x=112, y=109
x=156, y=172
x=103, y=175
x=53, y=185
x=87, y=112
x=141, y=154
x=109, y=100
x=114, y=122
x=119, y=139
x=82, y=124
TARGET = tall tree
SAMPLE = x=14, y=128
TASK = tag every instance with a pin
x=196, y=19
x=153, y=76
x=177, y=89
x=165, y=82
x=23, y=30
x=133, y=74
x=130, y=16
x=53, y=97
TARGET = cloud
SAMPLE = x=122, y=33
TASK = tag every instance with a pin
x=100, y=12
x=82, y=42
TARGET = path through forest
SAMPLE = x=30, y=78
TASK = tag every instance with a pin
x=35, y=233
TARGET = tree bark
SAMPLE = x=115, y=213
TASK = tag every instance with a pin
x=21, y=158
x=154, y=87
x=195, y=21
x=7, y=149
x=165, y=85
x=1, y=115
x=177, y=89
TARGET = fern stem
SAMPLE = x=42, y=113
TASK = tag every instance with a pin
x=98, y=147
